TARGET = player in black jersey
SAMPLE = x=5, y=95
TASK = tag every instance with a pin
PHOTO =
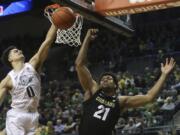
x=101, y=107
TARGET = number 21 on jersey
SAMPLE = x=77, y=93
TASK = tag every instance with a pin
x=102, y=112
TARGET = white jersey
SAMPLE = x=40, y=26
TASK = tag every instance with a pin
x=26, y=88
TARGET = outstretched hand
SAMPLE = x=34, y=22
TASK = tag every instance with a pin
x=168, y=66
x=92, y=33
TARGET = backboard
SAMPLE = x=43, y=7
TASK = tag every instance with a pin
x=86, y=9
x=124, y=7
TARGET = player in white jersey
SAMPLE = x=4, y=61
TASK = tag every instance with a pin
x=23, y=83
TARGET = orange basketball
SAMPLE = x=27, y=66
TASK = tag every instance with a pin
x=63, y=18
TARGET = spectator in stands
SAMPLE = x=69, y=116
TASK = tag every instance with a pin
x=42, y=130
x=168, y=105
x=121, y=123
x=59, y=127
x=70, y=126
x=50, y=128
x=130, y=128
x=168, y=108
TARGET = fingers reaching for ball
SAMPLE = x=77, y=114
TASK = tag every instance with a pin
x=92, y=33
x=50, y=9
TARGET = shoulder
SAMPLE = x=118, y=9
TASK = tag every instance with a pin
x=29, y=65
x=10, y=74
x=89, y=95
x=6, y=79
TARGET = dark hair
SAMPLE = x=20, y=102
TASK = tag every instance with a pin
x=110, y=74
x=5, y=56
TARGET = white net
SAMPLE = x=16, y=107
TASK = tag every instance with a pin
x=72, y=35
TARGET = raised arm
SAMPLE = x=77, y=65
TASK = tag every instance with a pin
x=85, y=77
x=140, y=100
x=38, y=59
x=5, y=85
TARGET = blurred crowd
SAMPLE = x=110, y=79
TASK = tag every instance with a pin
x=61, y=101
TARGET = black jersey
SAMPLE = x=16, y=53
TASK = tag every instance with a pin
x=100, y=114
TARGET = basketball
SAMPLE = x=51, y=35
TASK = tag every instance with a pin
x=63, y=18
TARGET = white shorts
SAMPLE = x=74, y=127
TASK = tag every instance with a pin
x=20, y=122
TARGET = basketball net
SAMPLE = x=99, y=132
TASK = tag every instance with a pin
x=70, y=36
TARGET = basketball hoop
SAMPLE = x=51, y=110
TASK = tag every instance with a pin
x=70, y=36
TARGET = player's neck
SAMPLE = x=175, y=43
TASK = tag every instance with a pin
x=18, y=65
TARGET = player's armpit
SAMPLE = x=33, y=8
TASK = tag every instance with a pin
x=134, y=101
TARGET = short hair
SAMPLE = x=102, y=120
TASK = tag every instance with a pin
x=5, y=56
x=110, y=74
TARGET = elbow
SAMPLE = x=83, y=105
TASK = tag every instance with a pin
x=149, y=98
x=78, y=63
x=78, y=67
